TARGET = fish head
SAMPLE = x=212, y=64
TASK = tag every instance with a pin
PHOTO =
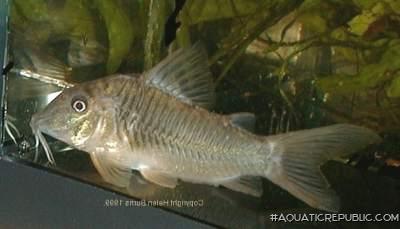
x=72, y=117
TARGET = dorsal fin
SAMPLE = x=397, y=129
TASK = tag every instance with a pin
x=185, y=75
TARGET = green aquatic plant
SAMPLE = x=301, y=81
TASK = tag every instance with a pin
x=375, y=43
x=33, y=10
x=120, y=32
x=210, y=10
x=73, y=19
x=370, y=75
x=158, y=12
x=394, y=88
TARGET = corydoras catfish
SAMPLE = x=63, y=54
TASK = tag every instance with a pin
x=159, y=125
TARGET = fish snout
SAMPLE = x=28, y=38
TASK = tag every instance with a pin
x=36, y=121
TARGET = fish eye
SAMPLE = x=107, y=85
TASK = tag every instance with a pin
x=79, y=105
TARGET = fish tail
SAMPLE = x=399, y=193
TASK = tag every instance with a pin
x=294, y=159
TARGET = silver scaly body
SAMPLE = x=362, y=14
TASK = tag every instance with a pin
x=153, y=130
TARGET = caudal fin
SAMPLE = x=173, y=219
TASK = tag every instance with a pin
x=294, y=160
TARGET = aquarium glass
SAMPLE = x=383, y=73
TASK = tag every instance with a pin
x=294, y=64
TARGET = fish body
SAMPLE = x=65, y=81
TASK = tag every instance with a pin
x=159, y=124
x=181, y=141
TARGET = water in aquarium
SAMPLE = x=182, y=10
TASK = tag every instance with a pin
x=224, y=111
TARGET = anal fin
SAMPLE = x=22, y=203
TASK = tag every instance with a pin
x=246, y=184
x=159, y=178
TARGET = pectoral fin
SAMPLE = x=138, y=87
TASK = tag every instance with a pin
x=248, y=185
x=159, y=178
x=111, y=172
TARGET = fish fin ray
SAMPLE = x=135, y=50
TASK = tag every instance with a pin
x=246, y=184
x=31, y=56
x=31, y=88
x=110, y=172
x=243, y=120
x=159, y=178
x=294, y=159
x=139, y=186
x=185, y=75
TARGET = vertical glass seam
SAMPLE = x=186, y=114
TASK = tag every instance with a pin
x=3, y=60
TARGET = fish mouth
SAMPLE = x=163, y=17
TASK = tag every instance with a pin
x=35, y=122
